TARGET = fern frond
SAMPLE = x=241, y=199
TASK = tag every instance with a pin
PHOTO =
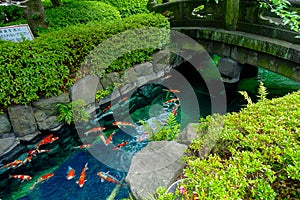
x=246, y=97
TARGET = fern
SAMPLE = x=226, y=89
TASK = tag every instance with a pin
x=246, y=97
x=262, y=91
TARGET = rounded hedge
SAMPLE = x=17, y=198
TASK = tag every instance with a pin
x=80, y=13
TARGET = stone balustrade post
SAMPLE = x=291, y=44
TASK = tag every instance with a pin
x=231, y=14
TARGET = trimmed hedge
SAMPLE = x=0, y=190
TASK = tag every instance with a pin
x=47, y=66
x=80, y=13
x=129, y=7
x=257, y=155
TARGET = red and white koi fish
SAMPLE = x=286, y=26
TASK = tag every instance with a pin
x=28, y=159
x=105, y=176
x=81, y=179
x=172, y=100
x=106, y=108
x=34, y=152
x=123, y=124
x=120, y=145
x=70, y=173
x=83, y=146
x=108, y=140
x=14, y=164
x=174, y=110
x=47, y=140
x=100, y=128
x=102, y=138
x=170, y=90
x=43, y=178
x=22, y=177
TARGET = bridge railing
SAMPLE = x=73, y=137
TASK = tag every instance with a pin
x=249, y=17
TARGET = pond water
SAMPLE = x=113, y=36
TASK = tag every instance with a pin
x=148, y=103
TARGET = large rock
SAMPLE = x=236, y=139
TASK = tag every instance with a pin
x=158, y=164
x=22, y=120
x=5, y=126
x=48, y=105
x=143, y=69
x=7, y=144
x=229, y=69
x=85, y=89
x=45, y=122
x=188, y=134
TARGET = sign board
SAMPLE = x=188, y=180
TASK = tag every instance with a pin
x=16, y=33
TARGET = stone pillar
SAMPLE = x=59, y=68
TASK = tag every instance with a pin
x=231, y=14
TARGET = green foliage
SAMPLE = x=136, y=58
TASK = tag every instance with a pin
x=9, y=14
x=262, y=94
x=257, y=154
x=129, y=7
x=162, y=132
x=73, y=112
x=47, y=65
x=80, y=13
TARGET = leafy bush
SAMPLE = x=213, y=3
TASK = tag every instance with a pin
x=257, y=155
x=80, y=13
x=47, y=65
x=129, y=7
x=10, y=14
x=72, y=112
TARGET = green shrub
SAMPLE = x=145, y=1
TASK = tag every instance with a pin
x=72, y=112
x=10, y=14
x=257, y=155
x=129, y=7
x=80, y=13
x=47, y=65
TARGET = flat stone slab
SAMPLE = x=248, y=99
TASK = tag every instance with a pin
x=158, y=164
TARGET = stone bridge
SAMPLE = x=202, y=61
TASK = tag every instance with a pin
x=238, y=29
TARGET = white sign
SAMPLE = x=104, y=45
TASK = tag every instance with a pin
x=16, y=33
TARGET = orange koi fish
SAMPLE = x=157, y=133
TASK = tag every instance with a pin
x=172, y=100
x=120, y=145
x=28, y=159
x=83, y=146
x=46, y=140
x=174, y=110
x=14, y=164
x=22, y=177
x=100, y=128
x=43, y=178
x=123, y=124
x=108, y=140
x=124, y=99
x=106, y=109
x=81, y=179
x=170, y=90
x=70, y=173
x=109, y=178
x=34, y=152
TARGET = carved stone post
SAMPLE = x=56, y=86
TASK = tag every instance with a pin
x=231, y=14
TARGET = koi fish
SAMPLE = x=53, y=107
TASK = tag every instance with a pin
x=143, y=137
x=81, y=179
x=43, y=178
x=100, y=128
x=123, y=124
x=34, y=152
x=22, y=177
x=108, y=140
x=106, y=109
x=120, y=145
x=14, y=164
x=46, y=140
x=83, y=146
x=124, y=99
x=70, y=173
x=27, y=159
x=102, y=138
x=172, y=100
x=170, y=90
x=105, y=176
x=174, y=110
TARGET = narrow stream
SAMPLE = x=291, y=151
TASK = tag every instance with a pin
x=148, y=103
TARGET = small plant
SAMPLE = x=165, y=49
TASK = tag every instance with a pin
x=72, y=112
x=262, y=91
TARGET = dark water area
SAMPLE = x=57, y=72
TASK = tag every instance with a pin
x=147, y=103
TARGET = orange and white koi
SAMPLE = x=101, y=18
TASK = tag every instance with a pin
x=108, y=140
x=83, y=146
x=106, y=108
x=123, y=124
x=43, y=178
x=22, y=177
x=120, y=145
x=81, y=179
x=174, y=110
x=100, y=128
x=171, y=90
x=46, y=140
x=172, y=100
x=14, y=164
x=70, y=173
x=27, y=159
x=105, y=176
x=34, y=152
